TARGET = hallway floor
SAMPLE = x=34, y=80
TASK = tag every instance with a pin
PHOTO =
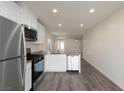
x=89, y=80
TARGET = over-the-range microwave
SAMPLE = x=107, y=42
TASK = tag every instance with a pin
x=30, y=34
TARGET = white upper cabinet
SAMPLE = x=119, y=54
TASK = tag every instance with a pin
x=33, y=21
x=41, y=34
x=28, y=18
x=20, y=14
x=26, y=15
x=10, y=10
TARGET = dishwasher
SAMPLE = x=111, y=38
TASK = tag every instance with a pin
x=73, y=63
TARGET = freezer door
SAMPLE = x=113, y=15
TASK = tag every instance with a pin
x=12, y=75
x=10, y=39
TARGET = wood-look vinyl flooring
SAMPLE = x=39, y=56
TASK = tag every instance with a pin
x=89, y=80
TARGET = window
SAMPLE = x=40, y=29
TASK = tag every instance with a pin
x=60, y=45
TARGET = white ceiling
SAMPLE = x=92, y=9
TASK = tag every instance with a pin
x=72, y=13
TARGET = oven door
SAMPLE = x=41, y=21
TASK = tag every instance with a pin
x=38, y=69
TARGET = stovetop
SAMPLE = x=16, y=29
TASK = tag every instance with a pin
x=35, y=56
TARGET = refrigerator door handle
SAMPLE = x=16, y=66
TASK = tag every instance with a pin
x=23, y=67
x=23, y=46
x=21, y=76
x=22, y=70
x=23, y=53
x=23, y=57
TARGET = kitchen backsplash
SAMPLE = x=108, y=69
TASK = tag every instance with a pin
x=34, y=47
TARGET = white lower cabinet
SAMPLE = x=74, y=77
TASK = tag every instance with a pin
x=55, y=63
x=28, y=76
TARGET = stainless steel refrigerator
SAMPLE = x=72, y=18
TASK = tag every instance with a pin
x=12, y=56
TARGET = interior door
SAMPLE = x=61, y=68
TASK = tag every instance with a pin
x=11, y=75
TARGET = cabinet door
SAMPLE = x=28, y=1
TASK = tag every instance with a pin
x=28, y=77
x=33, y=21
x=38, y=33
x=10, y=10
x=41, y=34
x=26, y=15
x=28, y=80
x=55, y=63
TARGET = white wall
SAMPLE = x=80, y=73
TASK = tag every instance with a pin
x=103, y=47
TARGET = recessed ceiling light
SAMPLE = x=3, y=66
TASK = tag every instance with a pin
x=81, y=25
x=59, y=24
x=92, y=10
x=55, y=10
